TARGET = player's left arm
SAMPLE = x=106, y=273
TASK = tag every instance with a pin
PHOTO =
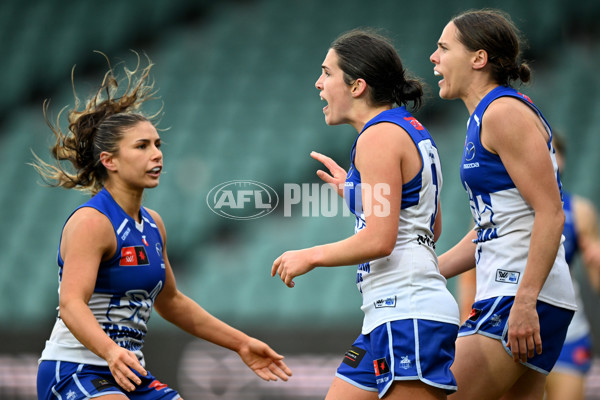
x=513, y=131
x=185, y=313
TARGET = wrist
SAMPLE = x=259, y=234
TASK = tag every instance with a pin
x=526, y=298
x=315, y=256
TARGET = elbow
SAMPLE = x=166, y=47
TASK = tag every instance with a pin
x=384, y=248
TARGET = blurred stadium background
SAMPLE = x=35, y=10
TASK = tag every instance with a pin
x=237, y=80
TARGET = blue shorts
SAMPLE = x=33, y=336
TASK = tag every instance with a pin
x=576, y=356
x=411, y=349
x=72, y=381
x=488, y=317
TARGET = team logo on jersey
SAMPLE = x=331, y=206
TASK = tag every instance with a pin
x=507, y=276
x=469, y=151
x=354, y=356
x=381, y=367
x=133, y=256
x=387, y=302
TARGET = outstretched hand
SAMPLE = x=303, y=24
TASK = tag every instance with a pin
x=336, y=176
x=264, y=361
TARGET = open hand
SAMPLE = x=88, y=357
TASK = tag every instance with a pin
x=264, y=361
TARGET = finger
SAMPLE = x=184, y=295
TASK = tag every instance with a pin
x=288, y=280
x=325, y=177
x=125, y=381
x=261, y=374
x=325, y=160
x=513, y=345
x=135, y=364
x=270, y=353
x=523, y=349
x=283, y=367
x=319, y=157
x=531, y=347
x=275, y=266
x=538, y=342
x=277, y=373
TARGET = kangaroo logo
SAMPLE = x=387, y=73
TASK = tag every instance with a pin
x=135, y=306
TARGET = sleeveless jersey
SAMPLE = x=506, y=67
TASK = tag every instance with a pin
x=503, y=219
x=125, y=290
x=407, y=283
x=579, y=326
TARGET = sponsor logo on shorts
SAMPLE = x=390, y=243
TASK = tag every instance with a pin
x=157, y=385
x=102, y=384
x=387, y=302
x=381, y=367
x=405, y=362
x=354, y=356
x=496, y=320
x=507, y=276
x=475, y=314
x=581, y=355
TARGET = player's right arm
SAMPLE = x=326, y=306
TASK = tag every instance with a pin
x=459, y=258
x=88, y=238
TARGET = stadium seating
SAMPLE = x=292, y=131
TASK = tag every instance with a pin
x=237, y=81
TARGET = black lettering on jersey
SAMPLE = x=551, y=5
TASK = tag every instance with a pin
x=354, y=356
x=102, y=384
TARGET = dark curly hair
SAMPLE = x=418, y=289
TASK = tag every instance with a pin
x=98, y=127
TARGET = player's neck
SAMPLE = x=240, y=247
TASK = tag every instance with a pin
x=128, y=199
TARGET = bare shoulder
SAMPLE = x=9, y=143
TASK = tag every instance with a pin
x=384, y=135
x=507, y=124
x=505, y=109
x=88, y=229
x=90, y=221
